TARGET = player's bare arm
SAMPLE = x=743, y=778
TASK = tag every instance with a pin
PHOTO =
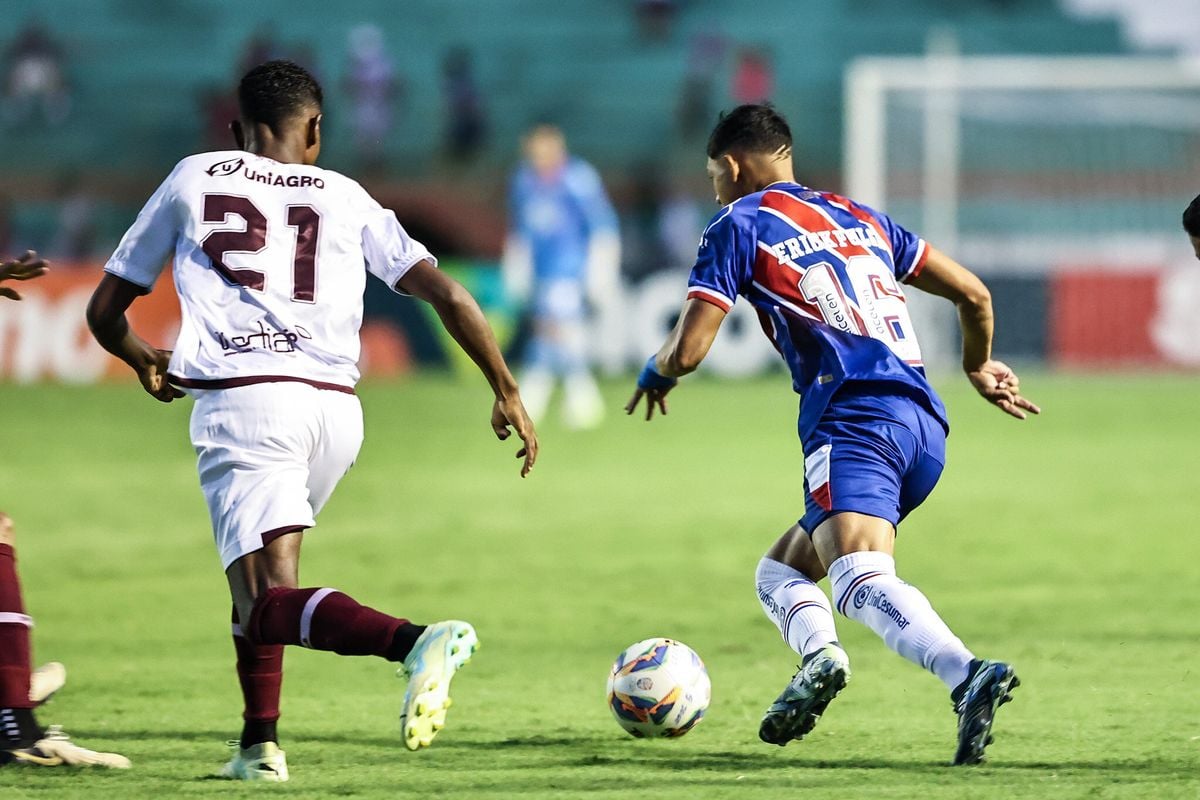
x=465, y=322
x=994, y=380
x=25, y=268
x=106, y=319
x=681, y=354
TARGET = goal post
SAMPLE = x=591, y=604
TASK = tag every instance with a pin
x=1061, y=179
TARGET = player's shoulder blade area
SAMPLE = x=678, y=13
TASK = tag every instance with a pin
x=243, y=174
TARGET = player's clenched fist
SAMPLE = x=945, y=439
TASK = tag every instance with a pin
x=154, y=377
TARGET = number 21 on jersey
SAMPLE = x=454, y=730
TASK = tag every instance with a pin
x=253, y=239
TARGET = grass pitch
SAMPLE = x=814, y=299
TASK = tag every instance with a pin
x=1066, y=544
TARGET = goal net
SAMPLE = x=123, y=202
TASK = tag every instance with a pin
x=1061, y=180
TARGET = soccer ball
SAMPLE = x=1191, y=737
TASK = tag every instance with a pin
x=658, y=687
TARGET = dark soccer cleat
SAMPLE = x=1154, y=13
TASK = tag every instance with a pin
x=794, y=713
x=975, y=701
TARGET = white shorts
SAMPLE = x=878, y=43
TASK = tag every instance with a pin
x=269, y=457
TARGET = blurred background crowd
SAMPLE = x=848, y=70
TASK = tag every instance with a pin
x=427, y=102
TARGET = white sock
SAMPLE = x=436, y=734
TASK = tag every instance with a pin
x=865, y=588
x=796, y=605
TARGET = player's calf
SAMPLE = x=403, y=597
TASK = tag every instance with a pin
x=797, y=606
x=326, y=619
x=866, y=589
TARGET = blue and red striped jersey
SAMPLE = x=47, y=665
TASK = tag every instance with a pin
x=824, y=274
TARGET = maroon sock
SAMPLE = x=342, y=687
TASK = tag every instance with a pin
x=324, y=619
x=260, y=672
x=14, y=635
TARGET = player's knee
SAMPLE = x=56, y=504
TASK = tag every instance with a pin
x=795, y=550
x=767, y=573
x=6, y=529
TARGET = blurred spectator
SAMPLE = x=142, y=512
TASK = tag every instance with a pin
x=35, y=78
x=695, y=112
x=373, y=88
x=466, y=125
x=75, y=239
x=656, y=18
x=218, y=107
x=663, y=224
x=640, y=248
x=680, y=222
x=260, y=48
x=305, y=54
x=6, y=225
x=753, y=77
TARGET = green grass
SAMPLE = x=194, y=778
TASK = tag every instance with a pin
x=1066, y=544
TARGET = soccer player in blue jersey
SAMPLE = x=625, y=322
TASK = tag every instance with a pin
x=824, y=275
x=562, y=250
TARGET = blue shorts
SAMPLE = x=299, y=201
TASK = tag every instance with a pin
x=871, y=453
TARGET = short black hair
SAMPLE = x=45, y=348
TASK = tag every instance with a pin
x=276, y=91
x=753, y=127
x=1191, y=217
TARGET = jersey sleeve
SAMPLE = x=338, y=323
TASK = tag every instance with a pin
x=909, y=251
x=388, y=249
x=145, y=247
x=724, y=261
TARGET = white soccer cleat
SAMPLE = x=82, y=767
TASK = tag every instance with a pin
x=56, y=749
x=260, y=762
x=46, y=680
x=440, y=651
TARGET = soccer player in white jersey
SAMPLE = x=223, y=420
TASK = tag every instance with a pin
x=271, y=255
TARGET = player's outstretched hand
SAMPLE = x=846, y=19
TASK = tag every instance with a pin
x=512, y=412
x=24, y=268
x=1001, y=387
x=655, y=398
x=154, y=378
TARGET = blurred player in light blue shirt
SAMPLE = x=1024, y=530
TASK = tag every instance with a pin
x=563, y=250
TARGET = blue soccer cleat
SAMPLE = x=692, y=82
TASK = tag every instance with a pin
x=975, y=701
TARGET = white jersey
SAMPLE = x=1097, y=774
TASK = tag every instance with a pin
x=270, y=267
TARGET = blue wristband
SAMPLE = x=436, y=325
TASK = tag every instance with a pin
x=650, y=379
